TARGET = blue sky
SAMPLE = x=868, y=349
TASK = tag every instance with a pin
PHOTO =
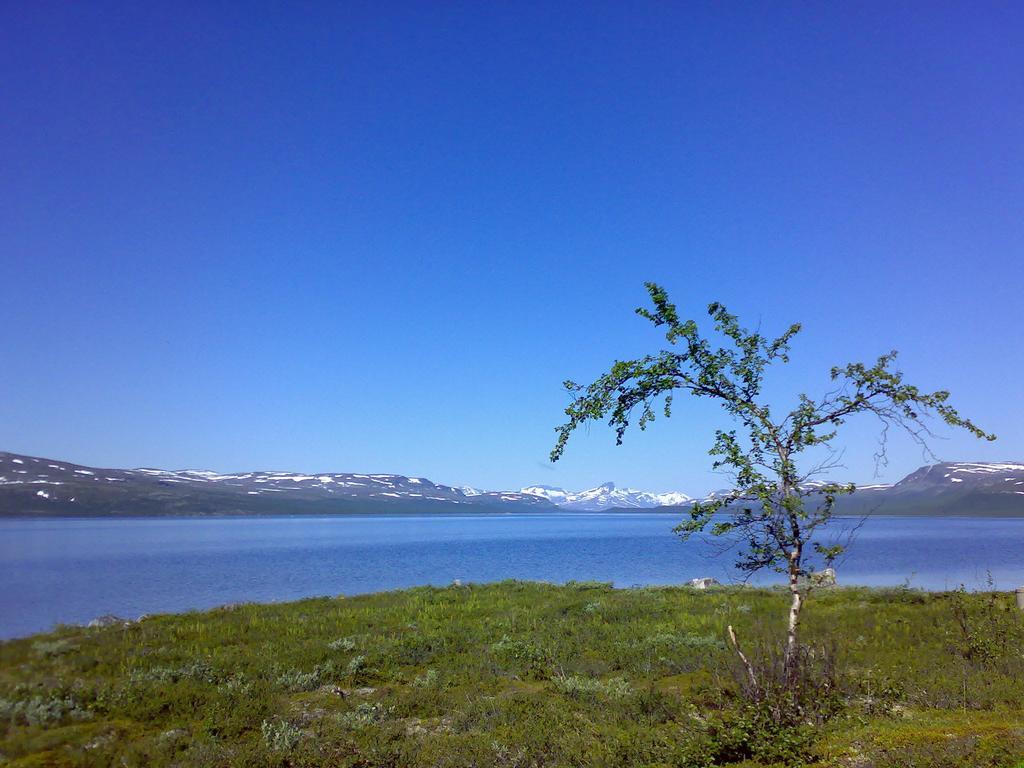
x=377, y=237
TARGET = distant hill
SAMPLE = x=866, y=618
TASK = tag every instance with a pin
x=949, y=488
x=47, y=487
x=32, y=486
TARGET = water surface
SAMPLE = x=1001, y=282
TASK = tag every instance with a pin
x=72, y=570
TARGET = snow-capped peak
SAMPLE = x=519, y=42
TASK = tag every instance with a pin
x=606, y=496
x=555, y=495
x=672, y=499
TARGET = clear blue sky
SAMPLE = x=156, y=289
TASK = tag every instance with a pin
x=378, y=236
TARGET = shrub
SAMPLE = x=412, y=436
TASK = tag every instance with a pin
x=879, y=694
x=280, y=735
x=296, y=680
x=521, y=655
x=691, y=641
x=366, y=714
x=200, y=671
x=48, y=648
x=587, y=585
x=430, y=679
x=753, y=732
x=985, y=630
x=576, y=686
x=810, y=696
x=42, y=710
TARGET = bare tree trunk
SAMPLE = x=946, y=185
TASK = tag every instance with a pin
x=755, y=687
x=796, y=603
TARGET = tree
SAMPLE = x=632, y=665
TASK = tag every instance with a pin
x=774, y=508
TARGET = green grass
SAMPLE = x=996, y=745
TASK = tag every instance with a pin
x=518, y=674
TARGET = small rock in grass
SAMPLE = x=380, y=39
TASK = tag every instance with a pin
x=703, y=583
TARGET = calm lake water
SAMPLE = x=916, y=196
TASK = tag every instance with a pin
x=73, y=570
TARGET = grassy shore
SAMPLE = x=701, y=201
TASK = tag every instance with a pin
x=522, y=674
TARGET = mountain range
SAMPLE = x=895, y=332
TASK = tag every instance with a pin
x=32, y=486
x=607, y=496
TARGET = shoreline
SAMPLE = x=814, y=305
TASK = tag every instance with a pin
x=729, y=588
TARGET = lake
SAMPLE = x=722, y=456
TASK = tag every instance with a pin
x=73, y=570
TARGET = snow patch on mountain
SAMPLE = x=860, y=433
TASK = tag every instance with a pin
x=972, y=467
x=555, y=495
x=606, y=496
